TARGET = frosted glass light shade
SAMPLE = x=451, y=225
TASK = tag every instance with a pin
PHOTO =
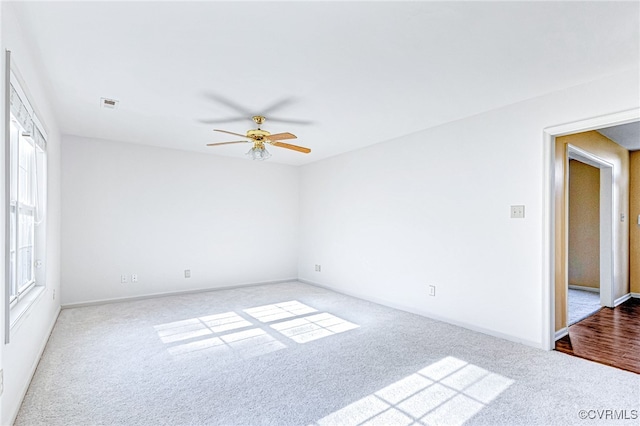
x=259, y=154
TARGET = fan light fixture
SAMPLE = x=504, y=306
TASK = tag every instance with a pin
x=258, y=153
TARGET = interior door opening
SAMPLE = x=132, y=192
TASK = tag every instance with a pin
x=604, y=203
x=583, y=293
x=614, y=262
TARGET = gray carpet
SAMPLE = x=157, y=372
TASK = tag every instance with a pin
x=294, y=354
x=582, y=304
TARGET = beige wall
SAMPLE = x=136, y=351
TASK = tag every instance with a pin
x=584, y=225
x=596, y=144
x=634, y=227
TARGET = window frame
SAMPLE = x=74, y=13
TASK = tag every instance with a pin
x=22, y=208
x=25, y=202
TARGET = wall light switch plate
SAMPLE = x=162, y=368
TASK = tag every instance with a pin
x=187, y=273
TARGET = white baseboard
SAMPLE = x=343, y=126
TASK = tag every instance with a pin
x=635, y=295
x=622, y=299
x=581, y=287
x=561, y=333
x=429, y=315
x=169, y=293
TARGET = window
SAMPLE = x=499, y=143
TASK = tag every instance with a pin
x=26, y=198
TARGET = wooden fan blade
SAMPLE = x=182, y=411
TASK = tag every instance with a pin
x=281, y=136
x=231, y=133
x=226, y=143
x=293, y=147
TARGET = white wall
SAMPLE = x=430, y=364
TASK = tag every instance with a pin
x=20, y=357
x=133, y=209
x=3, y=207
x=432, y=208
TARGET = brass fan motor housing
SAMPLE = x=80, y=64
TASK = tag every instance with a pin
x=258, y=135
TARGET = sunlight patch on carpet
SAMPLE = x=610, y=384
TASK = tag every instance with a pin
x=182, y=330
x=270, y=313
x=447, y=392
x=244, y=344
x=211, y=335
x=198, y=327
x=253, y=332
x=225, y=322
x=313, y=327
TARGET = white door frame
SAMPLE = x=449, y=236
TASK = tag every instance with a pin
x=548, y=249
x=606, y=220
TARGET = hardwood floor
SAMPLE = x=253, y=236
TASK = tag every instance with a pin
x=611, y=337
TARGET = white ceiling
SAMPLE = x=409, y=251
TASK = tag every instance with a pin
x=627, y=135
x=360, y=72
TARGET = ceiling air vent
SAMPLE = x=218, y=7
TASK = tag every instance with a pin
x=108, y=103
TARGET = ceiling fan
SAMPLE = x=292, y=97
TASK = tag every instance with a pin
x=244, y=112
x=259, y=138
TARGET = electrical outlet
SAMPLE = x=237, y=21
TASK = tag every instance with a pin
x=318, y=268
x=517, y=212
x=54, y=294
x=134, y=278
x=187, y=273
x=123, y=278
x=432, y=290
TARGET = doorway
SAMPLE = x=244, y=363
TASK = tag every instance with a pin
x=555, y=222
x=589, y=190
x=576, y=267
x=605, y=249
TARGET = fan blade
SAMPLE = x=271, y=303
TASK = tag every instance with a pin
x=279, y=104
x=231, y=133
x=222, y=120
x=226, y=143
x=228, y=102
x=270, y=119
x=245, y=113
x=289, y=121
x=281, y=136
x=293, y=147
